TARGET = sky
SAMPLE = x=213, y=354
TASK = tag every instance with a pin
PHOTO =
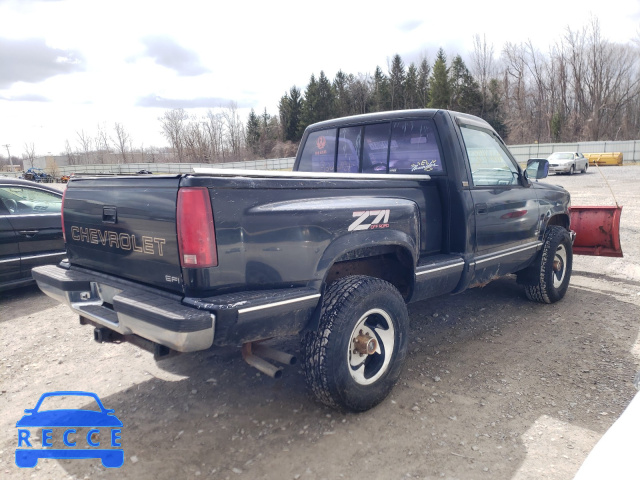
x=68, y=66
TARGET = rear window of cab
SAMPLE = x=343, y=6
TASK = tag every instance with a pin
x=402, y=147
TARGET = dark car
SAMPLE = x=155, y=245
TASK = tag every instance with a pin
x=30, y=230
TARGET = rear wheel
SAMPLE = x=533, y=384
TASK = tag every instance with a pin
x=586, y=166
x=355, y=357
x=553, y=267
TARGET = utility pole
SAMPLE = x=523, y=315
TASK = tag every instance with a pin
x=7, y=146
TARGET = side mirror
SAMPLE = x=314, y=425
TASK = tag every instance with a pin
x=537, y=168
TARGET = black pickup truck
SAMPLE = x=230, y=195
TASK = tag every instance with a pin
x=381, y=210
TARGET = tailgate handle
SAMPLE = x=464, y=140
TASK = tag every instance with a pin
x=109, y=214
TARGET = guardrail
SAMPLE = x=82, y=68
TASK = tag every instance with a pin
x=170, y=168
x=630, y=149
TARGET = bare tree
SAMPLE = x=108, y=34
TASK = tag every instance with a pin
x=360, y=87
x=234, y=129
x=215, y=132
x=85, y=144
x=29, y=153
x=482, y=64
x=101, y=143
x=173, y=129
x=121, y=140
x=72, y=158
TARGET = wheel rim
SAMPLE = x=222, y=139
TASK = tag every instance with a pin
x=559, y=266
x=376, y=326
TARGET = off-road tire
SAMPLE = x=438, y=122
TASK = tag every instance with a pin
x=551, y=285
x=328, y=366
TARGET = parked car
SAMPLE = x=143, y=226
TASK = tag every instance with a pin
x=568, y=162
x=38, y=175
x=30, y=230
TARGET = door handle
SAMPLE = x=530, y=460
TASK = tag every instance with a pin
x=481, y=208
x=28, y=233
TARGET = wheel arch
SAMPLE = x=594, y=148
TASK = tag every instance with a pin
x=390, y=256
x=560, y=219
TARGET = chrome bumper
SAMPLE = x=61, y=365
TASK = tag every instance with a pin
x=158, y=317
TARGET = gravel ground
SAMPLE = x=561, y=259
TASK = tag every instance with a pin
x=495, y=387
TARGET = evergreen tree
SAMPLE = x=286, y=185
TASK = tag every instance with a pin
x=411, y=96
x=290, y=110
x=269, y=129
x=381, y=97
x=325, y=108
x=396, y=83
x=465, y=91
x=265, y=118
x=439, y=91
x=423, y=83
x=253, y=132
x=342, y=93
x=493, y=111
x=309, y=106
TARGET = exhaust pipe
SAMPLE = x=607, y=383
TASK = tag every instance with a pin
x=276, y=355
x=252, y=358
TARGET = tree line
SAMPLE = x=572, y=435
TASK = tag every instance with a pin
x=584, y=88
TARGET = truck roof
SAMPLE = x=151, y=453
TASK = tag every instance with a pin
x=397, y=115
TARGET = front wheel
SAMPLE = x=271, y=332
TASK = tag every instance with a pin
x=571, y=170
x=355, y=357
x=553, y=267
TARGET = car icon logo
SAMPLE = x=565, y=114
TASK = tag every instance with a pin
x=103, y=429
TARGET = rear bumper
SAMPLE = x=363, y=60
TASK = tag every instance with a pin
x=127, y=310
x=182, y=324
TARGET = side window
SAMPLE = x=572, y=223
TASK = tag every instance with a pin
x=414, y=148
x=376, y=147
x=490, y=164
x=29, y=201
x=349, y=141
x=319, y=152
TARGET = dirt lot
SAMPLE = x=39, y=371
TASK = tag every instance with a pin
x=496, y=387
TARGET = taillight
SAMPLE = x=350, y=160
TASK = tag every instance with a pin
x=64, y=235
x=196, y=233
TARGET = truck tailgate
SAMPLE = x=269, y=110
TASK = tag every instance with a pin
x=125, y=226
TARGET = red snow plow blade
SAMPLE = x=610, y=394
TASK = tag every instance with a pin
x=597, y=231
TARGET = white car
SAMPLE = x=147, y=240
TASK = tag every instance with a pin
x=568, y=162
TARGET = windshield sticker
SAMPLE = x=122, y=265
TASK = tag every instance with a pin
x=424, y=166
x=321, y=143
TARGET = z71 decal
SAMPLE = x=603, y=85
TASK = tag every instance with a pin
x=381, y=220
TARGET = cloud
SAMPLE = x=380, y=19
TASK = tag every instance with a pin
x=199, y=102
x=29, y=97
x=167, y=53
x=410, y=25
x=32, y=61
